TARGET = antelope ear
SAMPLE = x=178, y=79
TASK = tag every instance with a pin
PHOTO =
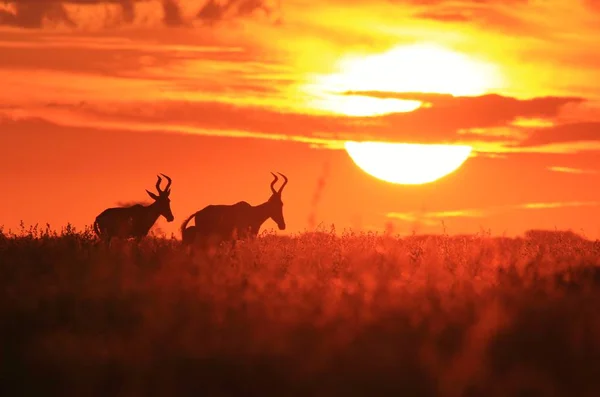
x=154, y=196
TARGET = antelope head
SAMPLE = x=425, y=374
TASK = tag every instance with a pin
x=162, y=200
x=275, y=204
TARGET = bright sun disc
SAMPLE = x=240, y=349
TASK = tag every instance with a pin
x=419, y=68
x=407, y=163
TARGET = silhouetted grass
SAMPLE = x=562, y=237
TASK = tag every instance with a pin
x=310, y=315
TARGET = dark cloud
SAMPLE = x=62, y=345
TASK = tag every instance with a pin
x=172, y=13
x=446, y=114
x=215, y=10
x=33, y=14
x=128, y=10
x=571, y=132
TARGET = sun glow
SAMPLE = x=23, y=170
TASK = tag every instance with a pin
x=416, y=68
x=404, y=163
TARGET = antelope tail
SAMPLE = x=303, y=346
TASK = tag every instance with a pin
x=184, y=224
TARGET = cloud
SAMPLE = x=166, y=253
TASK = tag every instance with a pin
x=215, y=88
x=107, y=58
x=215, y=10
x=35, y=14
x=444, y=122
x=172, y=13
x=432, y=217
x=557, y=205
x=445, y=115
x=502, y=16
x=569, y=132
x=570, y=170
x=19, y=120
x=438, y=122
x=522, y=17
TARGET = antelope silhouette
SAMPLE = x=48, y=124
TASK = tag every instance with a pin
x=222, y=223
x=136, y=220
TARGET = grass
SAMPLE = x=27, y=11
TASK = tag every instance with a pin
x=317, y=314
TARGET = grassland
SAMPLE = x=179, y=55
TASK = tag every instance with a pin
x=317, y=314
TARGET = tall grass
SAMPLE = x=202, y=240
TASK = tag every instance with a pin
x=317, y=314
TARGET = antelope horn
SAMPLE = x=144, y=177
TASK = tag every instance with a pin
x=158, y=184
x=168, y=182
x=285, y=181
x=273, y=183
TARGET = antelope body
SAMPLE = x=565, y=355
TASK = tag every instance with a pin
x=236, y=221
x=136, y=220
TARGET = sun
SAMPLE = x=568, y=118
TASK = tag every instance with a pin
x=418, y=68
x=407, y=163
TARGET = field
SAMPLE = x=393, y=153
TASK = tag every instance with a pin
x=317, y=314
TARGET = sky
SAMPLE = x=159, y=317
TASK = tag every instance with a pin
x=99, y=96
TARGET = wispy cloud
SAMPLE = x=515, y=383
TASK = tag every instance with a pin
x=558, y=205
x=432, y=218
x=458, y=214
x=570, y=170
x=532, y=122
x=114, y=44
x=173, y=128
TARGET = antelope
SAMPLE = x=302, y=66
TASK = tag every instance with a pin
x=136, y=220
x=236, y=221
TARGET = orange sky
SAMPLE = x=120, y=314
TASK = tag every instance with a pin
x=97, y=97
